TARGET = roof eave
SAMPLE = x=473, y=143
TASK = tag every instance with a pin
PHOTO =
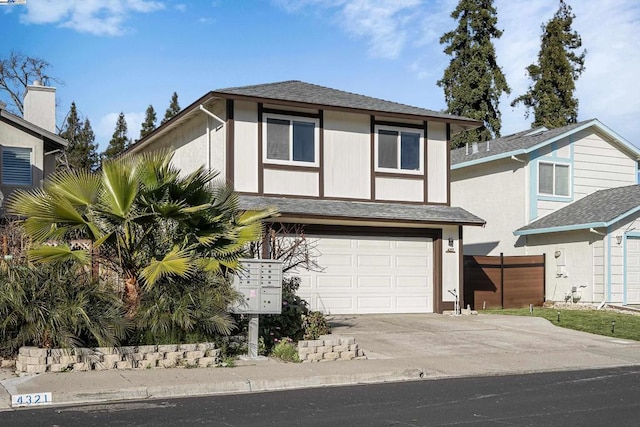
x=558, y=229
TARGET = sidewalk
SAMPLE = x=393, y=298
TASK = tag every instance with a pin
x=399, y=347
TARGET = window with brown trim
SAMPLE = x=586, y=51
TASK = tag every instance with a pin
x=290, y=140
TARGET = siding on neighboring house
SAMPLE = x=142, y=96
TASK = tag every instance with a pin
x=11, y=136
x=599, y=288
x=599, y=165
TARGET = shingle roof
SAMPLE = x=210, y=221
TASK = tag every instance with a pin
x=297, y=91
x=518, y=141
x=599, y=209
x=341, y=209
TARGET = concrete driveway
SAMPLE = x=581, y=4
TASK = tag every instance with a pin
x=482, y=344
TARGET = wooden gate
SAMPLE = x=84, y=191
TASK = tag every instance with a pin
x=503, y=281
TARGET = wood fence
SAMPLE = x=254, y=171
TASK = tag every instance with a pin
x=503, y=281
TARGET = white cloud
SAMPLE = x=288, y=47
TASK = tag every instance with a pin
x=181, y=7
x=97, y=17
x=386, y=24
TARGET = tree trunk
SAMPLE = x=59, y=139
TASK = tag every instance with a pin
x=131, y=295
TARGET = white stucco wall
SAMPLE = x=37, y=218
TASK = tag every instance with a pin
x=437, y=149
x=245, y=157
x=450, y=263
x=495, y=192
x=347, y=153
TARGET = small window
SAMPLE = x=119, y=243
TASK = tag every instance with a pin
x=399, y=150
x=291, y=140
x=554, y=179
x=16, y=166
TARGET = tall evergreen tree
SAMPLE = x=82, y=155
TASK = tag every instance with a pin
x=149, y=123
x=174, y=108
x=473, y=82
x=553, y=77
x=119, y=141
x=80, y=152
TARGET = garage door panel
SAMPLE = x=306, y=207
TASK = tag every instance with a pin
x=375, y=282
x=344, y=260
x=373, y=244
x=413, y=304
x=413, y=261
x=374, y=261
x=413, y=245
x=343, y=304
x=335, y=282
x=410, y=281
x=382, y=304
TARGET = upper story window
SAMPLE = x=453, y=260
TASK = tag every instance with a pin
x=554, y=179
x=399, y=150
x=289, y=140
x=16, y=166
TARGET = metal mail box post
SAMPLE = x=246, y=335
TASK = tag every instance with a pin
x=260, y=283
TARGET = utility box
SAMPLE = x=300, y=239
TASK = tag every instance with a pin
x=260, y=283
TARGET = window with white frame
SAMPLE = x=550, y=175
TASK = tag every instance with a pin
x=399, y=150
x=16, y=166
x=290, y=140
x=554, y=179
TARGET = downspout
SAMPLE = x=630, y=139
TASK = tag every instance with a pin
x=210, y=114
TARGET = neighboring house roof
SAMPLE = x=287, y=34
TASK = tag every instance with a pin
x=342, y=209
x=600, y=209
x=530, y=140
x=48, y=137
x=309, y=95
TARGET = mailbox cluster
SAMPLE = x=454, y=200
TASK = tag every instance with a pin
x=260, y=283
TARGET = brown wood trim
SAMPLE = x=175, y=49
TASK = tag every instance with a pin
x=398, y=175
x=321, y=155
x=345, y=230
x=460, y=269
x=397, y=125
x=448, y=164
x=309, y=105
x=437, y=273
x=290, y=167
x=310, y=217
x=291, y=113
x=425, y=158
x=260, y=153
x=372, y=147
x=230, y=141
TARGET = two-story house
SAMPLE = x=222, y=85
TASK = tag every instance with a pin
x=28, y=145
x=368, y=178
x=569, y=193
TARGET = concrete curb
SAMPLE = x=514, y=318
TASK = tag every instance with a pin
x=242, y=385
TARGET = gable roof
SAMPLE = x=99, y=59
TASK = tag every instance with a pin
x=307, y=95
x=525, y=142
x=48, y=137
x=297, y=91
x=600, y=209
x=362, y=211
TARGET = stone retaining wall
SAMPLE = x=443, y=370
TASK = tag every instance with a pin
x=36, y=360
x=328, y=348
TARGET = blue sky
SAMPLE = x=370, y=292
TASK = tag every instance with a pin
x=122, y=55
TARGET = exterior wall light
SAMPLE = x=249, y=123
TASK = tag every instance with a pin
x=619, y=239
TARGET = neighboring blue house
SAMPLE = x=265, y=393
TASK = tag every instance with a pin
x=570, y=193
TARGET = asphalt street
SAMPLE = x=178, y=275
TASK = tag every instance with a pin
x=574, y=398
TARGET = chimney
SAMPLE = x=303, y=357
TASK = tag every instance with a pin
x=40, y=106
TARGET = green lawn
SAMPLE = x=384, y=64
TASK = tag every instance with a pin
x=593, y=321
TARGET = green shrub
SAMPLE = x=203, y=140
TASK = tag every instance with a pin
x=275, y=327
x=57, y=305
x=314, y=325
x=286, y=350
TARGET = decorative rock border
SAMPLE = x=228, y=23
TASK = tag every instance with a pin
x=34, y=360
x=329, y=347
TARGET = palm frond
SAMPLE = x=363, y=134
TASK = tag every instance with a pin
x=59, y=254
x=177, y=262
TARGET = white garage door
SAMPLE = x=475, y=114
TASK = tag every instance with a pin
x=633, y=271
x=370, y=275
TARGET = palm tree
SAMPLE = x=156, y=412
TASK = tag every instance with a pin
x=145, y=221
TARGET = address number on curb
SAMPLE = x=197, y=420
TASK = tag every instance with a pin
x=31, y=399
